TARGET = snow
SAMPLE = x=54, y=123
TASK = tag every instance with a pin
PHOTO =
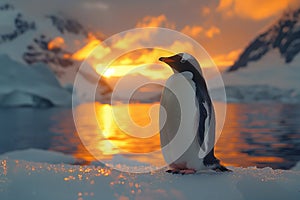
x=269, y=79
x=43, y=27
x=36, y=86
x=297, y=167
x=20, y=179
x=32, y=41
x=19, y=44
x=37, y=155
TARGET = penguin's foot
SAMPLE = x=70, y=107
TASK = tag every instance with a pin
x=187, y=171
x=181, y=171
x=221, y=168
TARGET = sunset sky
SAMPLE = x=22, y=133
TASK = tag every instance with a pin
x=223, y=27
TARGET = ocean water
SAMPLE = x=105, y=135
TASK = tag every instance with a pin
x=257, y=134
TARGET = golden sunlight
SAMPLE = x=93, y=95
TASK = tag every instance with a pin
x=119, y=139
x=249, y=9
x=86, y=50
x=109, y=72
x=225, y=60
x=143, y=62
x=57, y=42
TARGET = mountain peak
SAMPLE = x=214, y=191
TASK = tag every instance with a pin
x=6, y=6
x=26, y=38
x=283, y=35
x=67, y=25
x=50, y=39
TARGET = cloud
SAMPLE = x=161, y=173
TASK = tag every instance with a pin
x=199, y=31
x=96, y=5
x=212, y=31
x=254, y=9
x=57, y=42
x=205, y=11
x=155, y=21
x=193, y=31
x=156, y=67
x=226, y=60
x=72, y=8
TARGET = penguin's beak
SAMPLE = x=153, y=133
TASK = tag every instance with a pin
x=166, y=59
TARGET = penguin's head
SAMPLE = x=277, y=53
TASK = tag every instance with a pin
x=182, y=62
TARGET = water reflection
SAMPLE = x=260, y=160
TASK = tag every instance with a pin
x=105, y=139
x=124, y=140
x=261, y=135
x=254, y=134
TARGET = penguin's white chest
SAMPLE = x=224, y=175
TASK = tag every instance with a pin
x=179, y=121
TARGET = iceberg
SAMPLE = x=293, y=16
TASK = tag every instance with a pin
x=36, y=85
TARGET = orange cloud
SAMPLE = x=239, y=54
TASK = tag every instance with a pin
x=205, y=11
x=86, y=50
x=134, y=61
x=253, y=9
x=212, y=31
x=155, y=21
x=197, y=31
x=140, y=61
x=226, y=60
x=225, y=4
x=132, y=39
x=92, y=44
x=193, y=31
x=57, y=42
x=162, y=21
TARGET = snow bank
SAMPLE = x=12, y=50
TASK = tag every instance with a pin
x=36, y=86
x=32, y=180
x=37, y=155
x=297, y=167
x=269, y=79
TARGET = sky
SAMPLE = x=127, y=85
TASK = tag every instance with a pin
x=222, y=27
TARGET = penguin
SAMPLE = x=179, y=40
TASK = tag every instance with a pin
x=187, y=119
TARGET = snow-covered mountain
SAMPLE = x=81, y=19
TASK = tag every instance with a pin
x=26, y=39
x=283, y=36
x=269, y=79
x=51, y=39
x=269, y=67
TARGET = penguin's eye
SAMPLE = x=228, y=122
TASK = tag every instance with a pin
x=185, y=57
x=182, y=60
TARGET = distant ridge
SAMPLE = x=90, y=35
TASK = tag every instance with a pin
x=283, y=36
x=27, y=39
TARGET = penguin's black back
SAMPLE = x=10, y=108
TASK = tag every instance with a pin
x=202, y=96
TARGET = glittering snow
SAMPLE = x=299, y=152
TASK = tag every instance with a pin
x=45, y=180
